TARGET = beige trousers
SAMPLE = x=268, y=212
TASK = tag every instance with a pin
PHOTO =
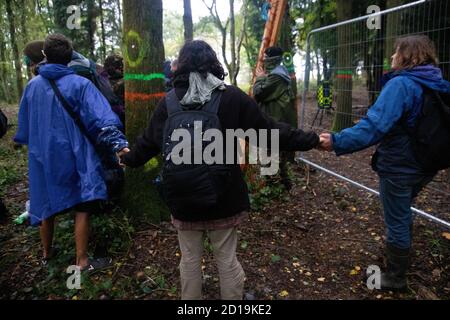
x=231, y=274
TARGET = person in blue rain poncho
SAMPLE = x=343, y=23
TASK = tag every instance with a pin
x=65, y=172
x=401, y=176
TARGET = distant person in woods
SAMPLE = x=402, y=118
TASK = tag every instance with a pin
x=65, y=172
x=33, y=54
x=406, y=121
x=210, y=199
x=168, y=75
x=273, y=92
x=113, y=67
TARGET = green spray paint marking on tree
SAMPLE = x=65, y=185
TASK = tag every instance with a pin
x=133, y=39
x=344, y=72
x=144, y=77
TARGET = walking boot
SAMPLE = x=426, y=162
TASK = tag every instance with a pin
x=398, y=260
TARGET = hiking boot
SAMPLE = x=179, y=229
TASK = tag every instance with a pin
x=398, y=260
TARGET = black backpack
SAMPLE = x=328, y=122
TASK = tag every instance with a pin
x=98, y=80
x=192, y=191
x=431, y=134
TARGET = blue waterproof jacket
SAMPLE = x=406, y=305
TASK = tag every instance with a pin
x=64, y=168
x=398, y=105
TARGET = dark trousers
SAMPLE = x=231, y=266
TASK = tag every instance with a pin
x=397, y=193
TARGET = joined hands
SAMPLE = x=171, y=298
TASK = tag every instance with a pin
x=326, y=142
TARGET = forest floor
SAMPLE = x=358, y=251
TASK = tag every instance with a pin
x=314, y=242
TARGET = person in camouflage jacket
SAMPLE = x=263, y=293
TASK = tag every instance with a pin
x=273, y=92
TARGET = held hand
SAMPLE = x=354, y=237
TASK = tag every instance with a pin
x=121, y=153
x=326, y=142
x=259, y=72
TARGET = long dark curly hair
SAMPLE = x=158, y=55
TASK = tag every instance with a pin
x=198, y=56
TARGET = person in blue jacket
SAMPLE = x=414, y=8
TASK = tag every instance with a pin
x=401, y=176
x=65, y=172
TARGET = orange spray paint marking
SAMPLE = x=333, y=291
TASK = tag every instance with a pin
x=135, y=96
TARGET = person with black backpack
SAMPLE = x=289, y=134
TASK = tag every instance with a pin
x=411, y=121
x=206, y=196
x=64, y=119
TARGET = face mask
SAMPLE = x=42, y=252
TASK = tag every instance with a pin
x=271, y=63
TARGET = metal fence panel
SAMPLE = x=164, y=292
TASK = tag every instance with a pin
x=346, y=62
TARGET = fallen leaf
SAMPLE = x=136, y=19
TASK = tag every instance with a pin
x=321, y=279
x=275, y=258
x=446, y=235
x=284, y=293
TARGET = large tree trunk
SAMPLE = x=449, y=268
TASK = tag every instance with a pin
x=15, y=49
x=343, y=117
x=187, y=19
x=144, y=55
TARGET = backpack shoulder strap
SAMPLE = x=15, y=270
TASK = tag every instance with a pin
x=212, y=106
x=69, y=109
x=172, y=103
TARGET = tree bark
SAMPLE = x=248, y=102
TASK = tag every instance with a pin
x=119, y=8
x=103, y=33
x=343, y=118
x=91, y=25
x=393, y=25
x=233, y=74
x=15, y=49
x=187, y=20
x=6, y=94
x=143, y=54
x=23, y=26
x=232, y=65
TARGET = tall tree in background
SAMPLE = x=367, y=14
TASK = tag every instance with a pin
x=60, y=14
x=15, y=48
x=91, y=26
x=287, y=42
x=187, y=20
x=102, y=30
x=232, y=64
x=24, y=12
x=143, y=52
x=5, y=93
x=343, y=117
x=393, y=24
x=83, y=38
x=253, y=32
